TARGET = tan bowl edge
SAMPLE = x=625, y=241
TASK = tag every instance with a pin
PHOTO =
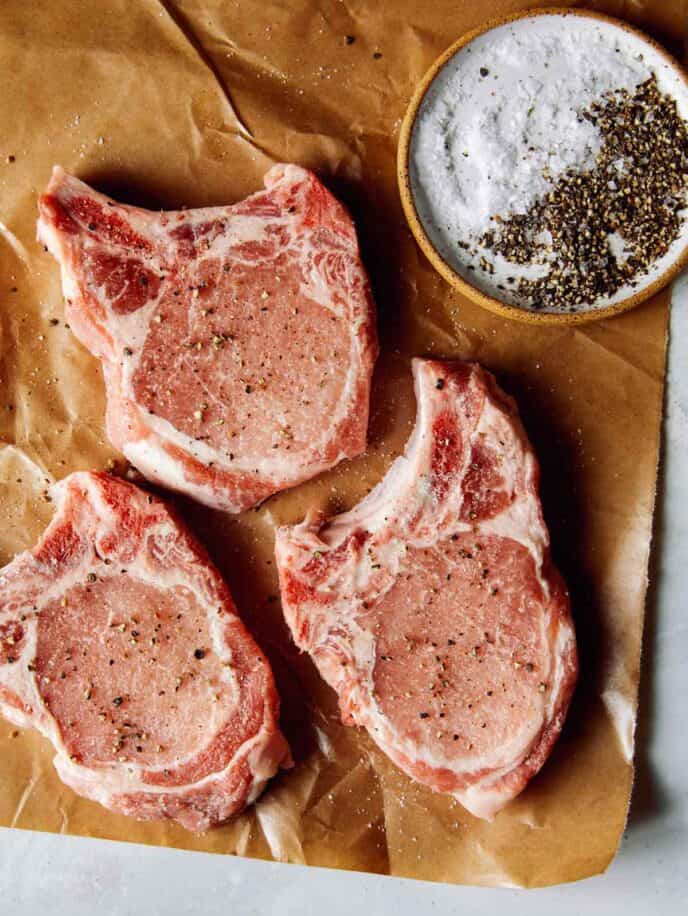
x=448, y=273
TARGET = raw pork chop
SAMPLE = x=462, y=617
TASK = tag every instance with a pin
x=120, y=643
x=237, y=342
x=433, y=608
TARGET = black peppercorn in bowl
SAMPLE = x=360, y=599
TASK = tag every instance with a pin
x=543, y=166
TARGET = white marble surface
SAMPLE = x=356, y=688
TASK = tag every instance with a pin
x=44, y=873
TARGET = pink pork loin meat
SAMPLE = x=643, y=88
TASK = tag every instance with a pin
x=120, y=643
x=237, y=342
x=433, y=608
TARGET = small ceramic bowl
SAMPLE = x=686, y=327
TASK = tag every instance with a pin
x=428, y=247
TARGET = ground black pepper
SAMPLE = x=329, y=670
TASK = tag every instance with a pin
x=636, y=192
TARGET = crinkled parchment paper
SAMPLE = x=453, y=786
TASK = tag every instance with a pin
x=170, y=104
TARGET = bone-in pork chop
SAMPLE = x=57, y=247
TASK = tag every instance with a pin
x=433, y=607
x=237, y=342
x=120, y=643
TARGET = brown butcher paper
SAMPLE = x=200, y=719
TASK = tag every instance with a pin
x=189, y=103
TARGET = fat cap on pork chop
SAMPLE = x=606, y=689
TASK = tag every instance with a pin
x=433, y=607
x=237, y=342
x=120, y=643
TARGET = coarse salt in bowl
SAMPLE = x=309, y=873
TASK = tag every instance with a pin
x=543, y=166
